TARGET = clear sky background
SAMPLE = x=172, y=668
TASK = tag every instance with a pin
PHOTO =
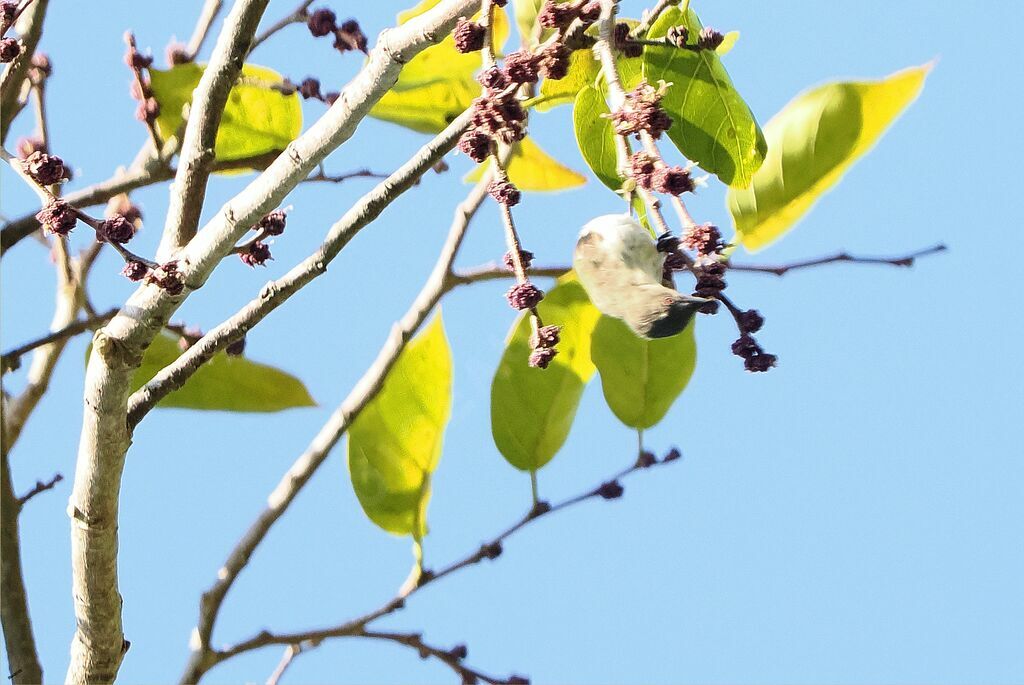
x=853, y=516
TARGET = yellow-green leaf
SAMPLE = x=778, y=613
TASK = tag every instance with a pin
x=595, y=136
x=532, y=409
x=713, y=126
x=258, y=120
x=728, y=43
x=526, y=19
x=394, y=444
x=583, y=71
x=641, y=378
x=812, y=142
x=530, y=168
x=436, y=85
x=225, y=383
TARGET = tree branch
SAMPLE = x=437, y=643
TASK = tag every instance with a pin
x=297, y=16
x=118, y=347
x=208, y=101
x=204, y=656
x=608, y=489
x=11, y=358
x=783, y=269
x=40, y=487
x=277, y=292
x=208, y=15
x=30, y=26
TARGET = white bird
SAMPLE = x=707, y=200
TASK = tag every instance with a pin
x=620, y=267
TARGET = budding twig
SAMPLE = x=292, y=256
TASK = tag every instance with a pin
x=11, y=358
x=322, y=177
x=296, y=16
x=40, y=487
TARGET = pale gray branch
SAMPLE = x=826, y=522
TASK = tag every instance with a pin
x=208, y=15
x=204, y=656
x=30, y=26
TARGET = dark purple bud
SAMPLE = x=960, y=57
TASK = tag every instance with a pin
x=310, y=88
x=709, y=39
x=547, y=336
x=148, y=110
x=541, y=357
x=167, y=277
x=45, y=169
x=504, y=192
x=646, y=459
x=475, y=144
x=116, y=229
x=710, y=307
x=524, y=296
x=8, y=10
x=554, y=15
x=746, y=347
x=257, y=254
x=554, y=61
x=673, y=180
x=57, y=217
x=459, y=652
x=350, y=37
x=491, y=551
x=611, y=490
x=521, y=67
x=525, y=256
x=237, y=348
x=126, y=208
x=760, y=363
x=672, y=454
x=678, y=35
x=704, y=239
x=321, y=22
x=642, y=168
x=751, y=321
x=9, y=50
x=273, y=223
x=590, y=11
x=468, y=35
x=176, y=54
x=492, y=77
x=134, y=271
x=136, y=60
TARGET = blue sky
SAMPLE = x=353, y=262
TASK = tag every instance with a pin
x=853, y=516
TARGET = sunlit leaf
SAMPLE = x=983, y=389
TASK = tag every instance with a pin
x=438, y=84
x=813, y=141
x=595, y=136
x=258, y=120
x=728, y=43
x=224, y=383
x=532, y=409
x=713, y=126
x=641, y=378
x=583, y=71
x=394, y=444
x=530, y=168
x=526, y=18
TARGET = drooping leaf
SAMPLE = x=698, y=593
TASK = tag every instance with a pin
x=224, y=383
x=258, y=121
x=813, y=141
x=641, y=378
x=394, y=444
x=436, y=85
x=530, y=168
x=532, y=409
x=713, y=126
x=595, y=136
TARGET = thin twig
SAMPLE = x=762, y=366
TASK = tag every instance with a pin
x=208, y=15
x=39, y=487
x=452, y=658
x=10, y=359
x=783, y=269
x=290, y=652
x=143, y=90
x=297, y=16
x=321, y=177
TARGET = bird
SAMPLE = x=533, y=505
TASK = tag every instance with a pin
x=620, y=267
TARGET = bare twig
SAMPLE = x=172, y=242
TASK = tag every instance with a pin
x=296, y=16
x=321, y=177
x=204, y=656
x=10, y=359
x=40, y=487
x=452, y=658
x=208, y=15
x=290, y=652
x=783, y=269
x=610, y=488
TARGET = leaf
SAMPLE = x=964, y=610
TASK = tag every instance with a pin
x=224, y=383
x=728, y=43
x=437, y=85
x=530, y=168
x=394, y=444
x=532, y=409
x=713, y=126
x=258, y=121
x=526, y=19
x=583, y=72
x=595, y=136
x=641, y=378
x=814, y=140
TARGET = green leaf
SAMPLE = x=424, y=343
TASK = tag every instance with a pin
x=437, y=85
x=813, y=141
x=713, y=126
x=728, y=43
x=641, y=378
x=532, y=409
x=394, y=444
x=224, y=383
x=258, y=121
x=595, y=136
x=530, y=168
x=583, y=72
x=526, y=19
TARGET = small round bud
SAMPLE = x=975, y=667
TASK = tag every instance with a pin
x=673, y=180
x=704, y=239
x=672, y=454
x=521, y=67
x=541, y=357
x=134, y=270
x=459, y=652
x=491, y=551
x=257, y=254
x=492, y=77
x=745, y=346
x=524, y=296
x=136, y=60
x=310, y=88
x=554, y=15
x=321, y=22
x=760, y=363
x=709, y=39
x=475, y=144
x=116, y=229
x=148, y=110
x=525, y=256
x=57, y=217
x=547, y=336
x=273, y=223
x=611, y=490
x=646, y=459
x=678, y=35
x=554, y=61
x=9, y=50
x=642, y=168
x=121, y=204
x=751, y=321
x=45, y=169
x=468, y=35
x=167, y=277
x=350, y=37
x=177, y=53
x=504, y=192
